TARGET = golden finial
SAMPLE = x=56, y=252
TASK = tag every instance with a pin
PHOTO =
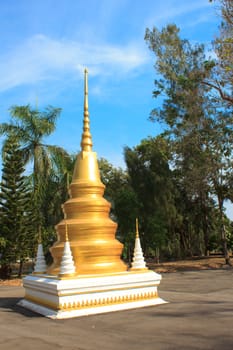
x=66, y=237
x=86, y=143
x=39, y=235
x=137, y=233
x=37, y=103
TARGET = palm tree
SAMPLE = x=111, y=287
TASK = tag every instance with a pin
x=58, y=188
x=30, y=126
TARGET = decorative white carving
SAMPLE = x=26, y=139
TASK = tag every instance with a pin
x=40, y=266
x=138, y=259
x=67, y=262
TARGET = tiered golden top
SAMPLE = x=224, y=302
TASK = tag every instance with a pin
x=86, y=142
x=66, y=232
x=137, y=232
x=91, y=230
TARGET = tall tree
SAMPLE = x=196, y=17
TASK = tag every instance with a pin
x=30, y=126
x=113, y=178
x=16, y=218
x=56, y=193
x=222, y=66
x=151, y=180
x=190, y=115
x=124, y=203
x=220, y=156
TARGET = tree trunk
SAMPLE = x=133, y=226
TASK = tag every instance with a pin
x=5, y=271
x=206, y=235
x=224, y=245
x=20, y=271
x=205, y=228
x=157, y=253
x=223, y=234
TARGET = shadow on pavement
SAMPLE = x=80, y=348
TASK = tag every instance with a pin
x=9, y=304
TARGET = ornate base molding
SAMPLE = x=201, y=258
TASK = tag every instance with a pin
x=88, y=295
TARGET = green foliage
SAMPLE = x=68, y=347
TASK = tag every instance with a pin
x=151, y=180
x=200, y=132
x=222, y=78
x=113, y=178
x=50, y=163
x=125, y=207
x=180, y=66
x=15, y=201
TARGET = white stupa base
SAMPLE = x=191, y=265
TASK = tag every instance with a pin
x=89, y=295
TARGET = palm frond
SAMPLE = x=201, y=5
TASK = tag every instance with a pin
x=21, y=113
x=51, y=114
x=59, y=157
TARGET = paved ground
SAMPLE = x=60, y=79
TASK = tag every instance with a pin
x=199, y=315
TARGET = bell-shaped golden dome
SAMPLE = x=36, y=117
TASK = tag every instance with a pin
x=92, y=239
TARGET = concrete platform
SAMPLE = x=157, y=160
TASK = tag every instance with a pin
x=90, y=295
x=199, y=316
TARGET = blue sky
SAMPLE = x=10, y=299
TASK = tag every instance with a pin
x=46, y=44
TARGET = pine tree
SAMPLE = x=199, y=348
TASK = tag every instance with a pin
x=16, y=221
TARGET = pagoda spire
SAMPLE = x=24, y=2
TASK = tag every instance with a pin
x=86, y=142
x=138, y=259
x=95, y=248
x=40, y=265
x=137, y=232
x=67, y=268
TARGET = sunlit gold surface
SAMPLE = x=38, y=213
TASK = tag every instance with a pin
x=94, y=302
x=137, y=232
x=108, y=301
x=91, y=231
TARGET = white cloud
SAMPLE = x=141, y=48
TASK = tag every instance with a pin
x=41, y=58
x=169, y=11
x=199, y=19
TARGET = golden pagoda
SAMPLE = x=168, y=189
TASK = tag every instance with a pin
x=91, y=231
x=87, y=275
